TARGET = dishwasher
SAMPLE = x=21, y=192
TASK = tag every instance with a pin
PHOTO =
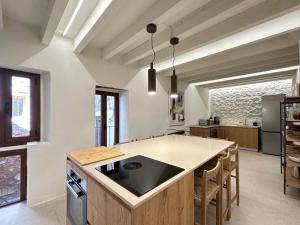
x=76, y=197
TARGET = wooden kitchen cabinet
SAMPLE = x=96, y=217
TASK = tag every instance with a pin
x=246, y=137
x=203, y=131
x=174, y=205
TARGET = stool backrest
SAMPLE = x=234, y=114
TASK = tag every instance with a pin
x=226, y=160
x=234, y=152
x=214, y=174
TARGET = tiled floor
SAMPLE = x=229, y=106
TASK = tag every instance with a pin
x=48, y=214
x=262, y=199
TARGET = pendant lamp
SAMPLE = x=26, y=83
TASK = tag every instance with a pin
x=151, y=29
x=174, y=93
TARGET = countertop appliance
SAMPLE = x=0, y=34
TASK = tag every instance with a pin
x=217, y=120
x=139, y=174
x=271, y=124
x=205, y=122
x=76, y=197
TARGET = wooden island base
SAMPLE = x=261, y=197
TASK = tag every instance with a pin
x=174, y=205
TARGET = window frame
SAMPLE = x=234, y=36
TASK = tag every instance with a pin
x=6, y=107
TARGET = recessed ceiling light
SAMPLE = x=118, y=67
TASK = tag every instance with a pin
x=78, y=6
x=246, y=75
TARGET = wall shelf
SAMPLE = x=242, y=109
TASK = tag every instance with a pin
x=289, y=144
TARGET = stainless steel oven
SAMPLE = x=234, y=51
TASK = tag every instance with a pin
x=76, y=198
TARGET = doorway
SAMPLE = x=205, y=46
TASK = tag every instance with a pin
x=107, y=118
x=13, y=180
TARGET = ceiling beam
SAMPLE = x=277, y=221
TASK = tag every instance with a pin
x=1, y=16
x=289, y=53
x=202, y=18
x=238, y=27
x=102, y=14
x=245, y=69
x=257, y=48
x=296, y=35
x=56, y=9
x=251, y=80
x=159, y=11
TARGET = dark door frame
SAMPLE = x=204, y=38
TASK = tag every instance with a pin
x=23, y=175
x=104, y=95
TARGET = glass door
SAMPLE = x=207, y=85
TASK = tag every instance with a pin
x=12, y=176
x=107, y=118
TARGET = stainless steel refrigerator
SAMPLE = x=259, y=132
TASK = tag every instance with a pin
x=271, y=124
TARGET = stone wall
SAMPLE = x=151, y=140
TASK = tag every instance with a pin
x=234, y=104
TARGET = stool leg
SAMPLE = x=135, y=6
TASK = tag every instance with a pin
x=228, y=198
x=219, y=208
x=203, y=212
x=237, y=180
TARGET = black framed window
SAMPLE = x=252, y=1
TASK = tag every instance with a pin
x=19, y=107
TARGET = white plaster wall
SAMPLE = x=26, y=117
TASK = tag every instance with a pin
x=196, y=104
x=235, y=104
x=68, y=110
x=68, y=102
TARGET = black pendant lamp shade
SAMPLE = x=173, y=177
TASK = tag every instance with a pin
x=174, y=92
x=151, y=80
x=151, y=29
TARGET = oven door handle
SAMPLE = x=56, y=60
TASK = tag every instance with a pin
x=76, y=194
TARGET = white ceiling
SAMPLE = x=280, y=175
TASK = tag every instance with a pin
x=31, y=12
x=82, y=15
x=218, y=38
x=121, y=21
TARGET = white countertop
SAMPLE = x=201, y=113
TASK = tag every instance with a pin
x=187, y=152
x=227, y=125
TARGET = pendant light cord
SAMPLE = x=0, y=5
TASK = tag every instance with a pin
x=173, y=63
x=152, y=48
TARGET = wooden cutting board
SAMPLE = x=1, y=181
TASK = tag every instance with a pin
x=91, y=155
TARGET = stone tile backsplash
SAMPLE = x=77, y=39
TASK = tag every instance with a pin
x=235, y=104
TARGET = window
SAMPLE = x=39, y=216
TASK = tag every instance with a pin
x=19, y=107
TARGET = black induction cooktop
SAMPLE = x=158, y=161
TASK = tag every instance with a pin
x=139, y=174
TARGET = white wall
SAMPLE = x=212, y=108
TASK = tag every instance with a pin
x=68, y=103
x=196, y=104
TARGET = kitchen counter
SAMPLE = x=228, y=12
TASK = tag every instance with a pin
x=227, y=125
x=208, y=126
x=187, y=152
x=239, y=125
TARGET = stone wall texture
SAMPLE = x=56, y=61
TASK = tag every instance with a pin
x=235, y=104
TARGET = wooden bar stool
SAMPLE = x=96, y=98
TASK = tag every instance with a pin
x=226, y=182
x=235, y=166
x=208, y=186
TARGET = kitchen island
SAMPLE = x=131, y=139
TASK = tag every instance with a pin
x=171, y=202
